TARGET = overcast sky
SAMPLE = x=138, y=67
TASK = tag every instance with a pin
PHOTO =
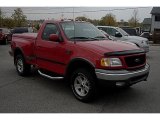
x=35, y=13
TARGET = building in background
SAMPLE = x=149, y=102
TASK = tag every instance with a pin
x=155, y=19
x=146, y=25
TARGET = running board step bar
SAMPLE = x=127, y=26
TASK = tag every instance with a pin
x=48, y=76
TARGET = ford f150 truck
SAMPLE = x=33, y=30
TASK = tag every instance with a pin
x=78, y=52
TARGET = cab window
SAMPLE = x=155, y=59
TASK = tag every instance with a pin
x=49, y=29
x=112, y=31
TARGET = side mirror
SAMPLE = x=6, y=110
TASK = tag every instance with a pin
x=54, y=37
x=117, y=34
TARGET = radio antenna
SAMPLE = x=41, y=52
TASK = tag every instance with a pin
x=74, y=25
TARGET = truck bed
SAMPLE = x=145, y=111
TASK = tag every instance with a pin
x=25, y=41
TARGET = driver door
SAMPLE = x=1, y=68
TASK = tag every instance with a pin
x=49, y=53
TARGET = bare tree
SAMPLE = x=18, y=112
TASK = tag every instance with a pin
x=134, y=20
x=108, y=19
x=1, y=18
x=19, y=18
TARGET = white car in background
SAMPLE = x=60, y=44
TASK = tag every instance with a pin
x=117, y=33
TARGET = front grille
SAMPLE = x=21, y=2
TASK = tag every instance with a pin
x=136, y=60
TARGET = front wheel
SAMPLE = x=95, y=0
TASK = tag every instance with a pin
x=22, y=67
x=83, y=85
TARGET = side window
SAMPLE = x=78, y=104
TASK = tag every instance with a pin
x=105, y=29
x=109, y=31
x=157, y=18
x=49, y=29
x=114, y=31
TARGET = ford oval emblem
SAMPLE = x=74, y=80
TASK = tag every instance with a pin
x=137, y=60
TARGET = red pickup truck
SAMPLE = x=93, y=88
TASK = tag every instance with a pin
x=80, y=53
x=5, y=36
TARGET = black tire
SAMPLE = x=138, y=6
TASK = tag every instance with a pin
x=22, y=67
x=5, y=41
x=88, y=86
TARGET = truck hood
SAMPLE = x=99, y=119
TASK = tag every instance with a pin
x=137, y=38
x=103, y=46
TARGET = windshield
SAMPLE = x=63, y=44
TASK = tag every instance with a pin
x=82, y=31
x=122, y=32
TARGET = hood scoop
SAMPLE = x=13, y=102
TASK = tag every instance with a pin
x=127, y=52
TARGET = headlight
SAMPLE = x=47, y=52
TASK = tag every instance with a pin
x=111, y=62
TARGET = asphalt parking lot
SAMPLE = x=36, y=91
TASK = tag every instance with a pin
x=35, y=94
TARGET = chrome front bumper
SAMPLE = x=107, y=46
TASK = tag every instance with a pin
x=123, y=75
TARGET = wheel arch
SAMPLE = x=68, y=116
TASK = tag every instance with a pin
x=17, y=51
x=76, y=63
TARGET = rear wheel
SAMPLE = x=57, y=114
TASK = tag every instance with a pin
x=22, y=67
x=83, y=85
